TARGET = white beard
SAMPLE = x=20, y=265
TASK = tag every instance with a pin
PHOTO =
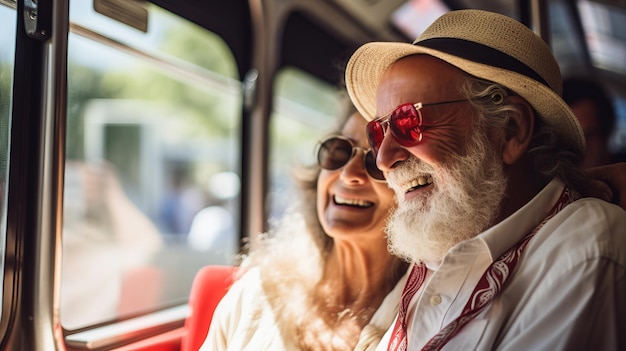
x=465, y=200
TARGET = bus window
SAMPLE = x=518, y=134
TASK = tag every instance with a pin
x=304, y=109
x=151, y=191
x=604, y=27
x=7, y=62
x=568, y=50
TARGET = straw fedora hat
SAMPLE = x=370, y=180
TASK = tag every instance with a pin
x=486, y=45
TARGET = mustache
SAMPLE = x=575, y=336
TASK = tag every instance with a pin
x=408, y=170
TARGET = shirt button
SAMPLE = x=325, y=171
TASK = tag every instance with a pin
x=435, y=300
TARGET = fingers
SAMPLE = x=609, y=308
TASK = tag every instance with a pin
x=600, y=190
x=614, y=178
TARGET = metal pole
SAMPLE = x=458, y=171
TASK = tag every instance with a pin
x=540, y=19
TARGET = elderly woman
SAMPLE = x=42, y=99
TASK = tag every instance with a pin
x=324, y=278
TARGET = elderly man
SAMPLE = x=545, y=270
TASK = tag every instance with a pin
x=471, y=132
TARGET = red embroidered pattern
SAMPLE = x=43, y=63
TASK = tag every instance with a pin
x=414, y=282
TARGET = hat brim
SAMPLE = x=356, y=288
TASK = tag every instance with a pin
x=368, y=64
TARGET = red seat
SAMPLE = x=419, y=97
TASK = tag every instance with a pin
x=208, y=288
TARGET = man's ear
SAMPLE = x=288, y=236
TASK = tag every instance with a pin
x=519, y=131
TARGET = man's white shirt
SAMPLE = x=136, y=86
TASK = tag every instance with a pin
x=567, y=292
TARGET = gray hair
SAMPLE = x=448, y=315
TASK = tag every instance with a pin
x=550, y=157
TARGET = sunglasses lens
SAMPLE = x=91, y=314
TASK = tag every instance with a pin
x=405, y=123
x=375, y=135
x=370, y=166
x=334, y=153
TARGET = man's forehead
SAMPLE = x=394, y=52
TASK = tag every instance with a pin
x=423, y=70
x=417, y=79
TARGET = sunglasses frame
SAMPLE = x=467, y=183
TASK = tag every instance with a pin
x=354, y=148
x=386, y=122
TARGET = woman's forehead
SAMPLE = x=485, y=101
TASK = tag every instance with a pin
x=355, y=128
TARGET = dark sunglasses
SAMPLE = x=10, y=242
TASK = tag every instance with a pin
x=335, y=152
x=405, y=123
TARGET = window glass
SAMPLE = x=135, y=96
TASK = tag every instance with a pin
x=414, y=16
x=151, y=190
x=165, y=34
x=7, y=63
x=305, y=109
x=604, y=31
x=565, y=43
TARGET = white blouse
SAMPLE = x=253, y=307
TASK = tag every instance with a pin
x=240, y=325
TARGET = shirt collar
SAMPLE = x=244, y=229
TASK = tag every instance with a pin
x=512, y=229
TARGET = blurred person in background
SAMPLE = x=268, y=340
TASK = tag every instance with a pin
x=105, y=237
x=592, y=105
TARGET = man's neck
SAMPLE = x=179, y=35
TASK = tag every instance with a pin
x=523, y=184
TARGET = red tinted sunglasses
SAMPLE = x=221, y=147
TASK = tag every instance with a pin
x=335, y=152
x=405, y=123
